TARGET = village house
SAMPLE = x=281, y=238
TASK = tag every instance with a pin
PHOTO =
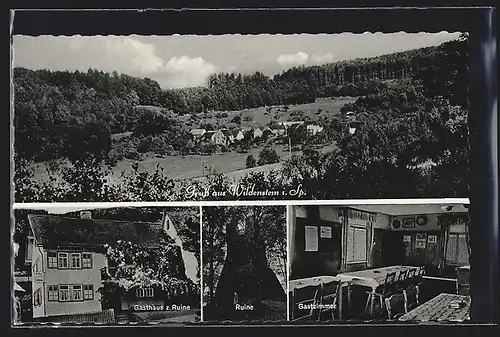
x=313, y=129
x=68, y=259
x=239, y=135
x=197, y=133
x=216, y=137
x=287, y=124
x=257, y=133
x=278, y=130
x=228, y=134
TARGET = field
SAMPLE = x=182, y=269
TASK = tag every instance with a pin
x=232, y=164
x=260, y=117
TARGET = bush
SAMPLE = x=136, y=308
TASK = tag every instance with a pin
x=251, y=162
x=268, y=156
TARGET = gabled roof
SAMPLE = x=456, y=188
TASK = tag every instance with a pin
x=208, y=134
x=60, y=231
x=197, y=131
x=226, y=132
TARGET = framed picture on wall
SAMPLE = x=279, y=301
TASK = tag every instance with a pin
x=409, y=223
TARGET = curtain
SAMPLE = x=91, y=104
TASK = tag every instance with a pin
x=467, y=237
x=445, y=228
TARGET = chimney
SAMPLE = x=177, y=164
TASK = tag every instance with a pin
x=85, y=215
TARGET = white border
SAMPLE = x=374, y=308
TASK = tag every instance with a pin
x=350, y=202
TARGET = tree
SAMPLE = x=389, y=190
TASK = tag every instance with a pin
x=135, y=266
x=250, y=162
x=268, y=156
x=246, y=270
x=213, y=249
x=236, y=119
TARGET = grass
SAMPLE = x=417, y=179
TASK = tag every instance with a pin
x=233, y=164
x=260, y=117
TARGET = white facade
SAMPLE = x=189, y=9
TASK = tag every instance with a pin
x=66, y=281
x=313, y=129
x=257, y=133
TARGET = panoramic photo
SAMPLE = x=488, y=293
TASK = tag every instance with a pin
x=391, y=263
x=107, y=265
x=173, y=118
x=244, y=263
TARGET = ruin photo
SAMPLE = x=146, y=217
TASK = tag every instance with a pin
x=388, y=262
x=148, y=118
x=108, y=265
x=244, y=263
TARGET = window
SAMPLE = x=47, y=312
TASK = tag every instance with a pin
x=64, y=294
x=37, y=297
x=76, y=293
x=29, y=251
x=62, y=260
x=456, y=250
x=53, y=294
x=36, y=266
x=356, y=244
x=144, y=292
x=88, y=292
x=76, y=260
x=52, y=259
x=87, y=260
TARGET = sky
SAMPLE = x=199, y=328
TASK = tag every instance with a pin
x=184, y=61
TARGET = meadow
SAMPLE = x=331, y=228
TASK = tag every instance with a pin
x=260, y=117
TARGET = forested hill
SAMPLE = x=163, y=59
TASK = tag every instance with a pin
x=426, y=64
x=58, y=111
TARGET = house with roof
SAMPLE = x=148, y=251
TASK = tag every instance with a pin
x=278, y=130
x=257, y=133
x=288, y=124
x=228, y=134
x=197, y=133
x=216, y=137
x=313, y=129
x=239, y=135
x=69, y=262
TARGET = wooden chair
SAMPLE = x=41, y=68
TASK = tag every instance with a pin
x=384, y=291
x=401, y=281
x=411, y=274
x=329, y=298
x=395, y=306
x=411, y=298
x=309, y=295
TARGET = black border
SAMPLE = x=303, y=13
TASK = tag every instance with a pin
x=479, y=22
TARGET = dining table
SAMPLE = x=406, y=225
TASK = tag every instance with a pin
x=372, y=279
x=440, y=308
x=310, y=281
